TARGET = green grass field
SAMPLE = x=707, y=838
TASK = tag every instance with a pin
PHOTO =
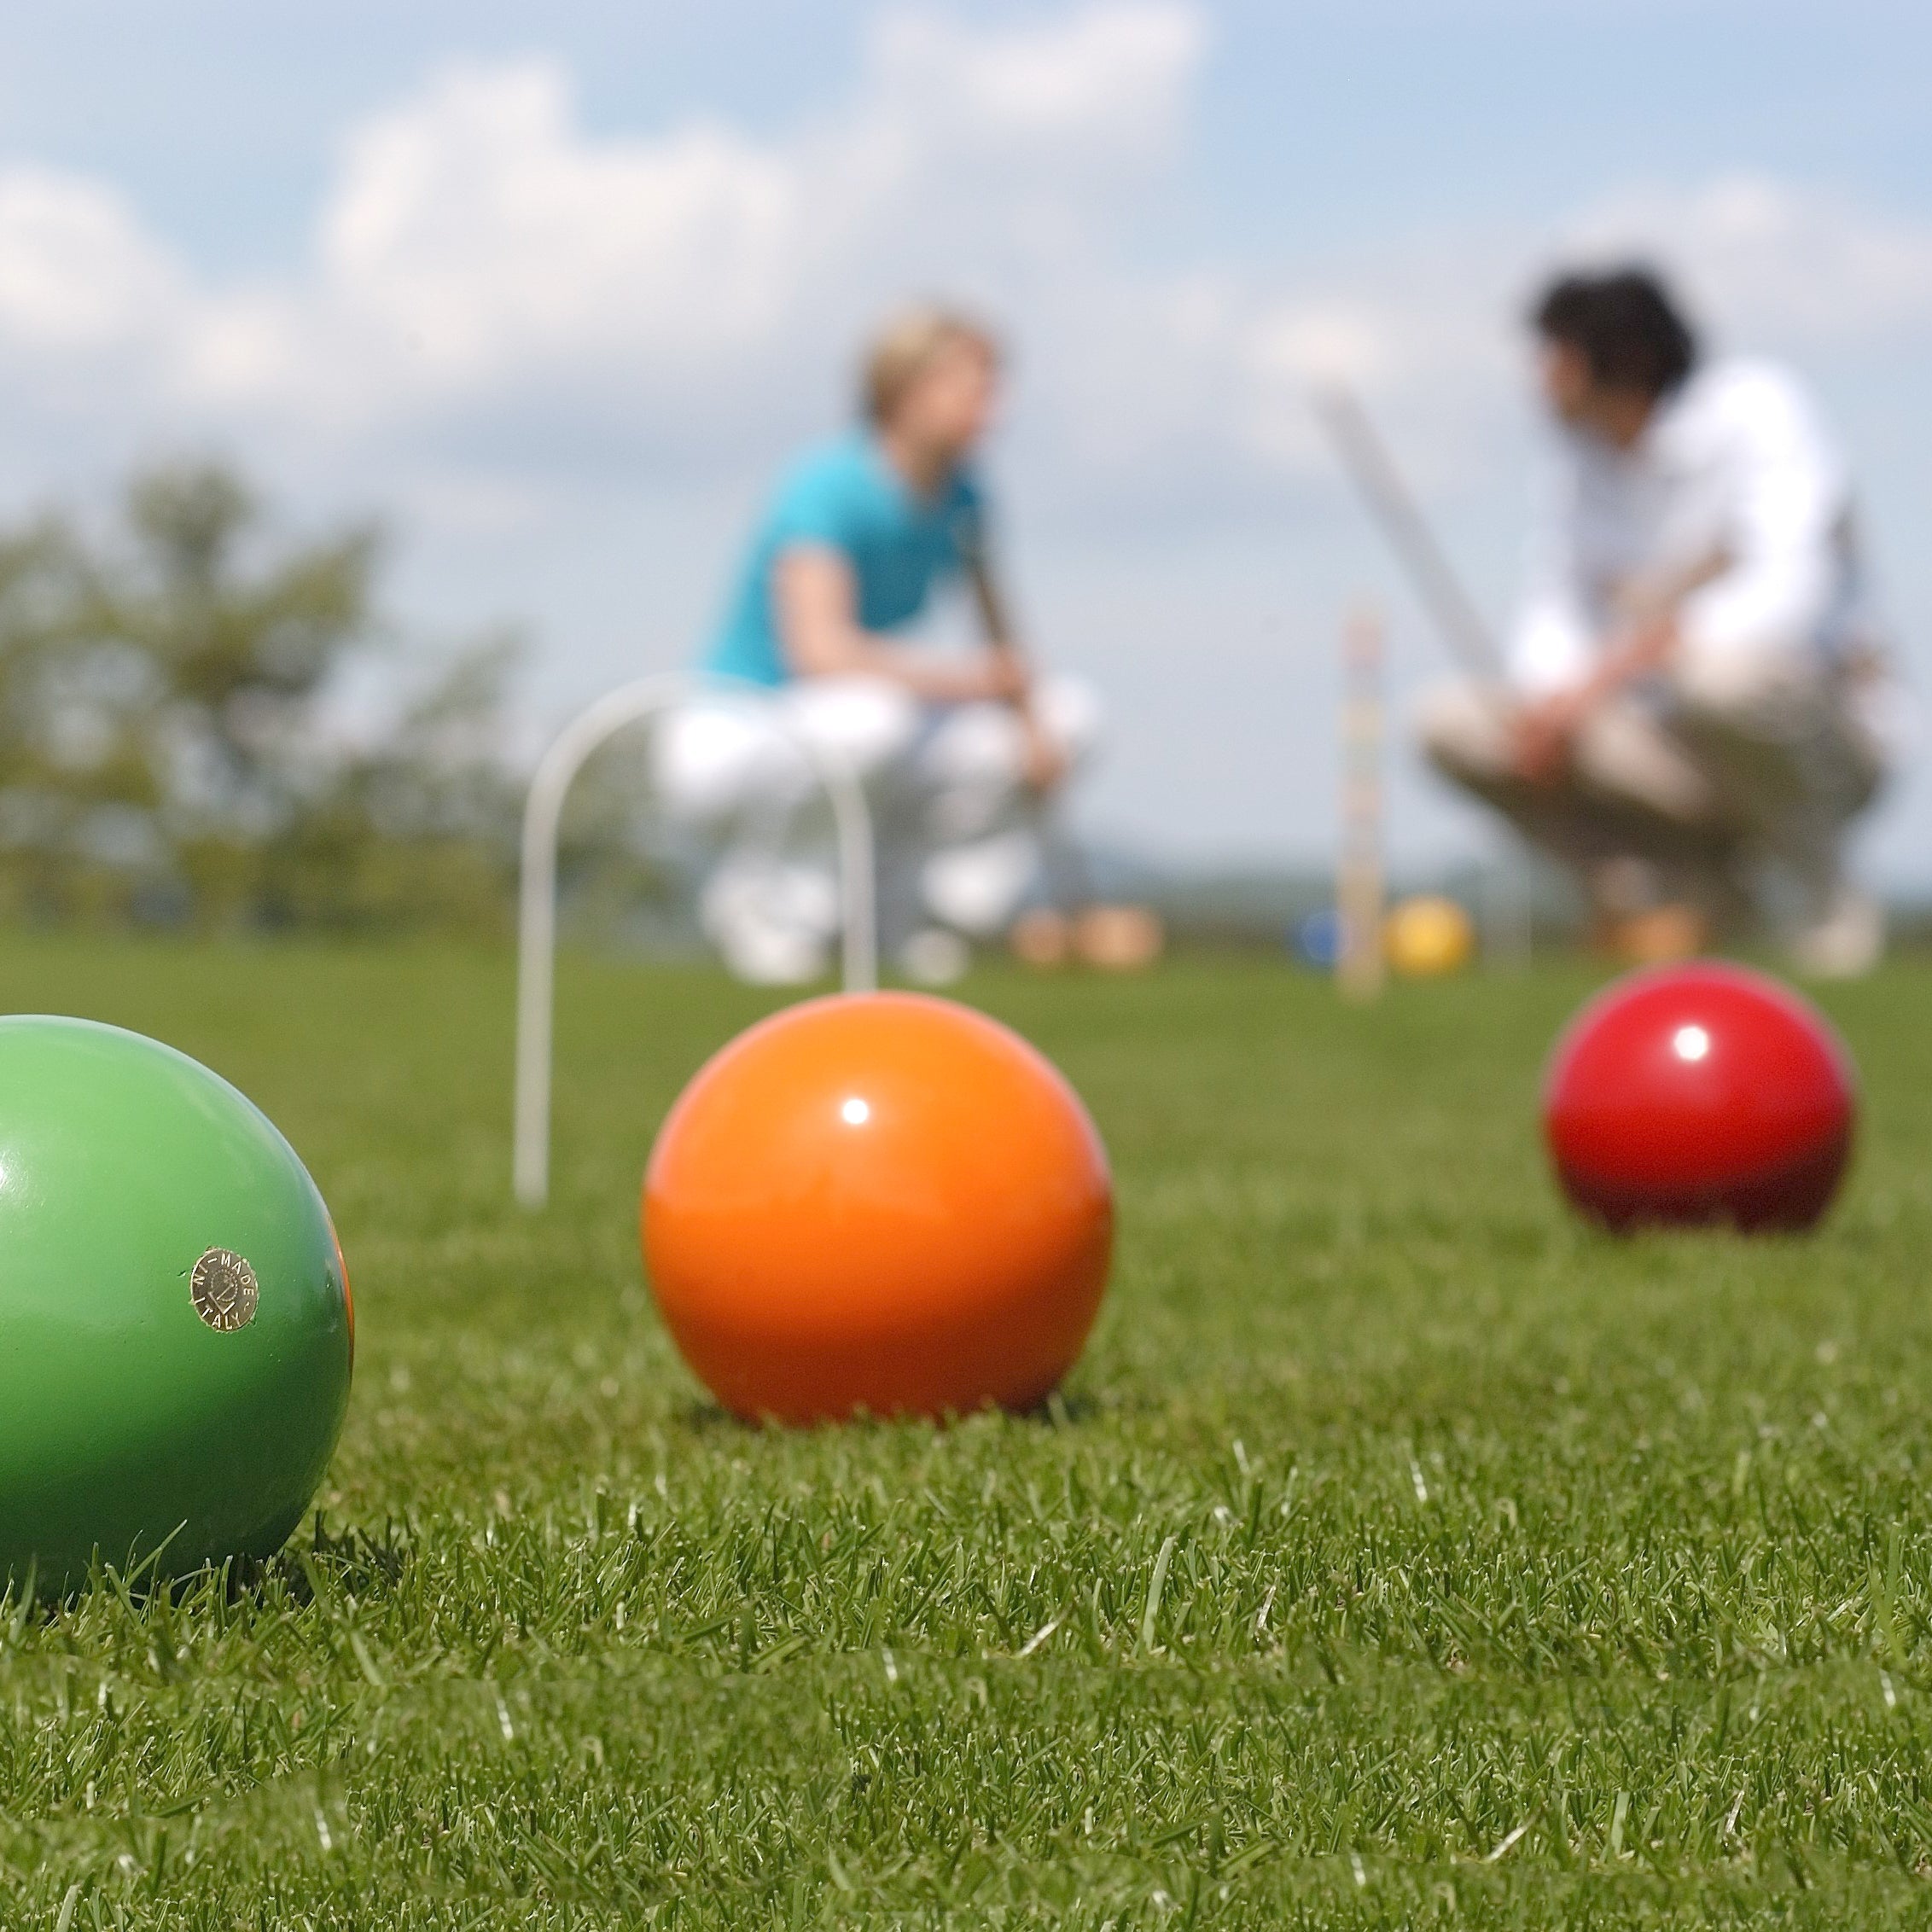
x=1399, y=1555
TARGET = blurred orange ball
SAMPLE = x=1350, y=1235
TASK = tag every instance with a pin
x=879, y=1202
x=1119, y=938
x=1042, y=937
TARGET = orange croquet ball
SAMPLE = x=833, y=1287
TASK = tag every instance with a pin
x=882, y=1202
x=1041, y=937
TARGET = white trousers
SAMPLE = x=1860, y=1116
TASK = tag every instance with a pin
x=1731, y=761
x=956, y=825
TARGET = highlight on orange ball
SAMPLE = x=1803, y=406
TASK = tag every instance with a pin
x=884, y=1203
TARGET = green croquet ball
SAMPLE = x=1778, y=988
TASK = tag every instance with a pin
x=175, y=1331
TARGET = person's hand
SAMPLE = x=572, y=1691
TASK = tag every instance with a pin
x=1542, y=733
x=1004, y=678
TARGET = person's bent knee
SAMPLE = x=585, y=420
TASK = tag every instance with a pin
x=1072, y=714
x=869, y=723
x=709, y=761
x=1461, y=730
x=1739, y=686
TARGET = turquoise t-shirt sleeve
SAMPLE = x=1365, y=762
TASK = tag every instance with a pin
x=818, y=504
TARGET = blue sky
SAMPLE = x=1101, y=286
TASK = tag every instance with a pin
x=557, y=289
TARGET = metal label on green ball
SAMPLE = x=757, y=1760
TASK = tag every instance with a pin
x=224, y=1290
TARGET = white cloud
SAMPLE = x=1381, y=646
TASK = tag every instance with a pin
x=1105, y=85
x=76, y=273
x=489, y=285
x=476, y=241
x=484, y=270
x=87, y=299
x=495, y=299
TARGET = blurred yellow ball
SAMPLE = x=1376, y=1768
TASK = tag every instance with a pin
x=1428, y=935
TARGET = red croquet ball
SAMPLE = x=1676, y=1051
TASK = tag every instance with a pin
x=1700, y=1093
x=882, y=1201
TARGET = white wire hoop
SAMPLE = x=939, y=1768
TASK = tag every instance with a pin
x=536, y=935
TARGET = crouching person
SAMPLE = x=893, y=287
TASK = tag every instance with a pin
x=956, y=752
x=1696, y=710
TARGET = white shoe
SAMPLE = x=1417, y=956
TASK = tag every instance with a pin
x=932, y=957
x=976, y=887
x=1845, y=940
x=773, y=922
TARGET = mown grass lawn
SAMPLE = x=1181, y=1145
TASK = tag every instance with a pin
x=1399, y=1555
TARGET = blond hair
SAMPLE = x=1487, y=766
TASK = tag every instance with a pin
x=907, y=345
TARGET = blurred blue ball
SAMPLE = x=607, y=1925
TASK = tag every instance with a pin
x=1317, y=939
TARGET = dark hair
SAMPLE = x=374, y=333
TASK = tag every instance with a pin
x=1625, y=325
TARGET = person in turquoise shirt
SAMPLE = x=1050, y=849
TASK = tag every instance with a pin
x=955, y=750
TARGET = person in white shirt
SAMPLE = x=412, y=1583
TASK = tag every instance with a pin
x=1695, y=703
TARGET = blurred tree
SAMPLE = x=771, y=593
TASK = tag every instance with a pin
x=418, y=827
x=162, y=741
x=237, y=657
x=78, y=789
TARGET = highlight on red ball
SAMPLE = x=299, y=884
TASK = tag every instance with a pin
x=1700, y=1094
x=880, y=1202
